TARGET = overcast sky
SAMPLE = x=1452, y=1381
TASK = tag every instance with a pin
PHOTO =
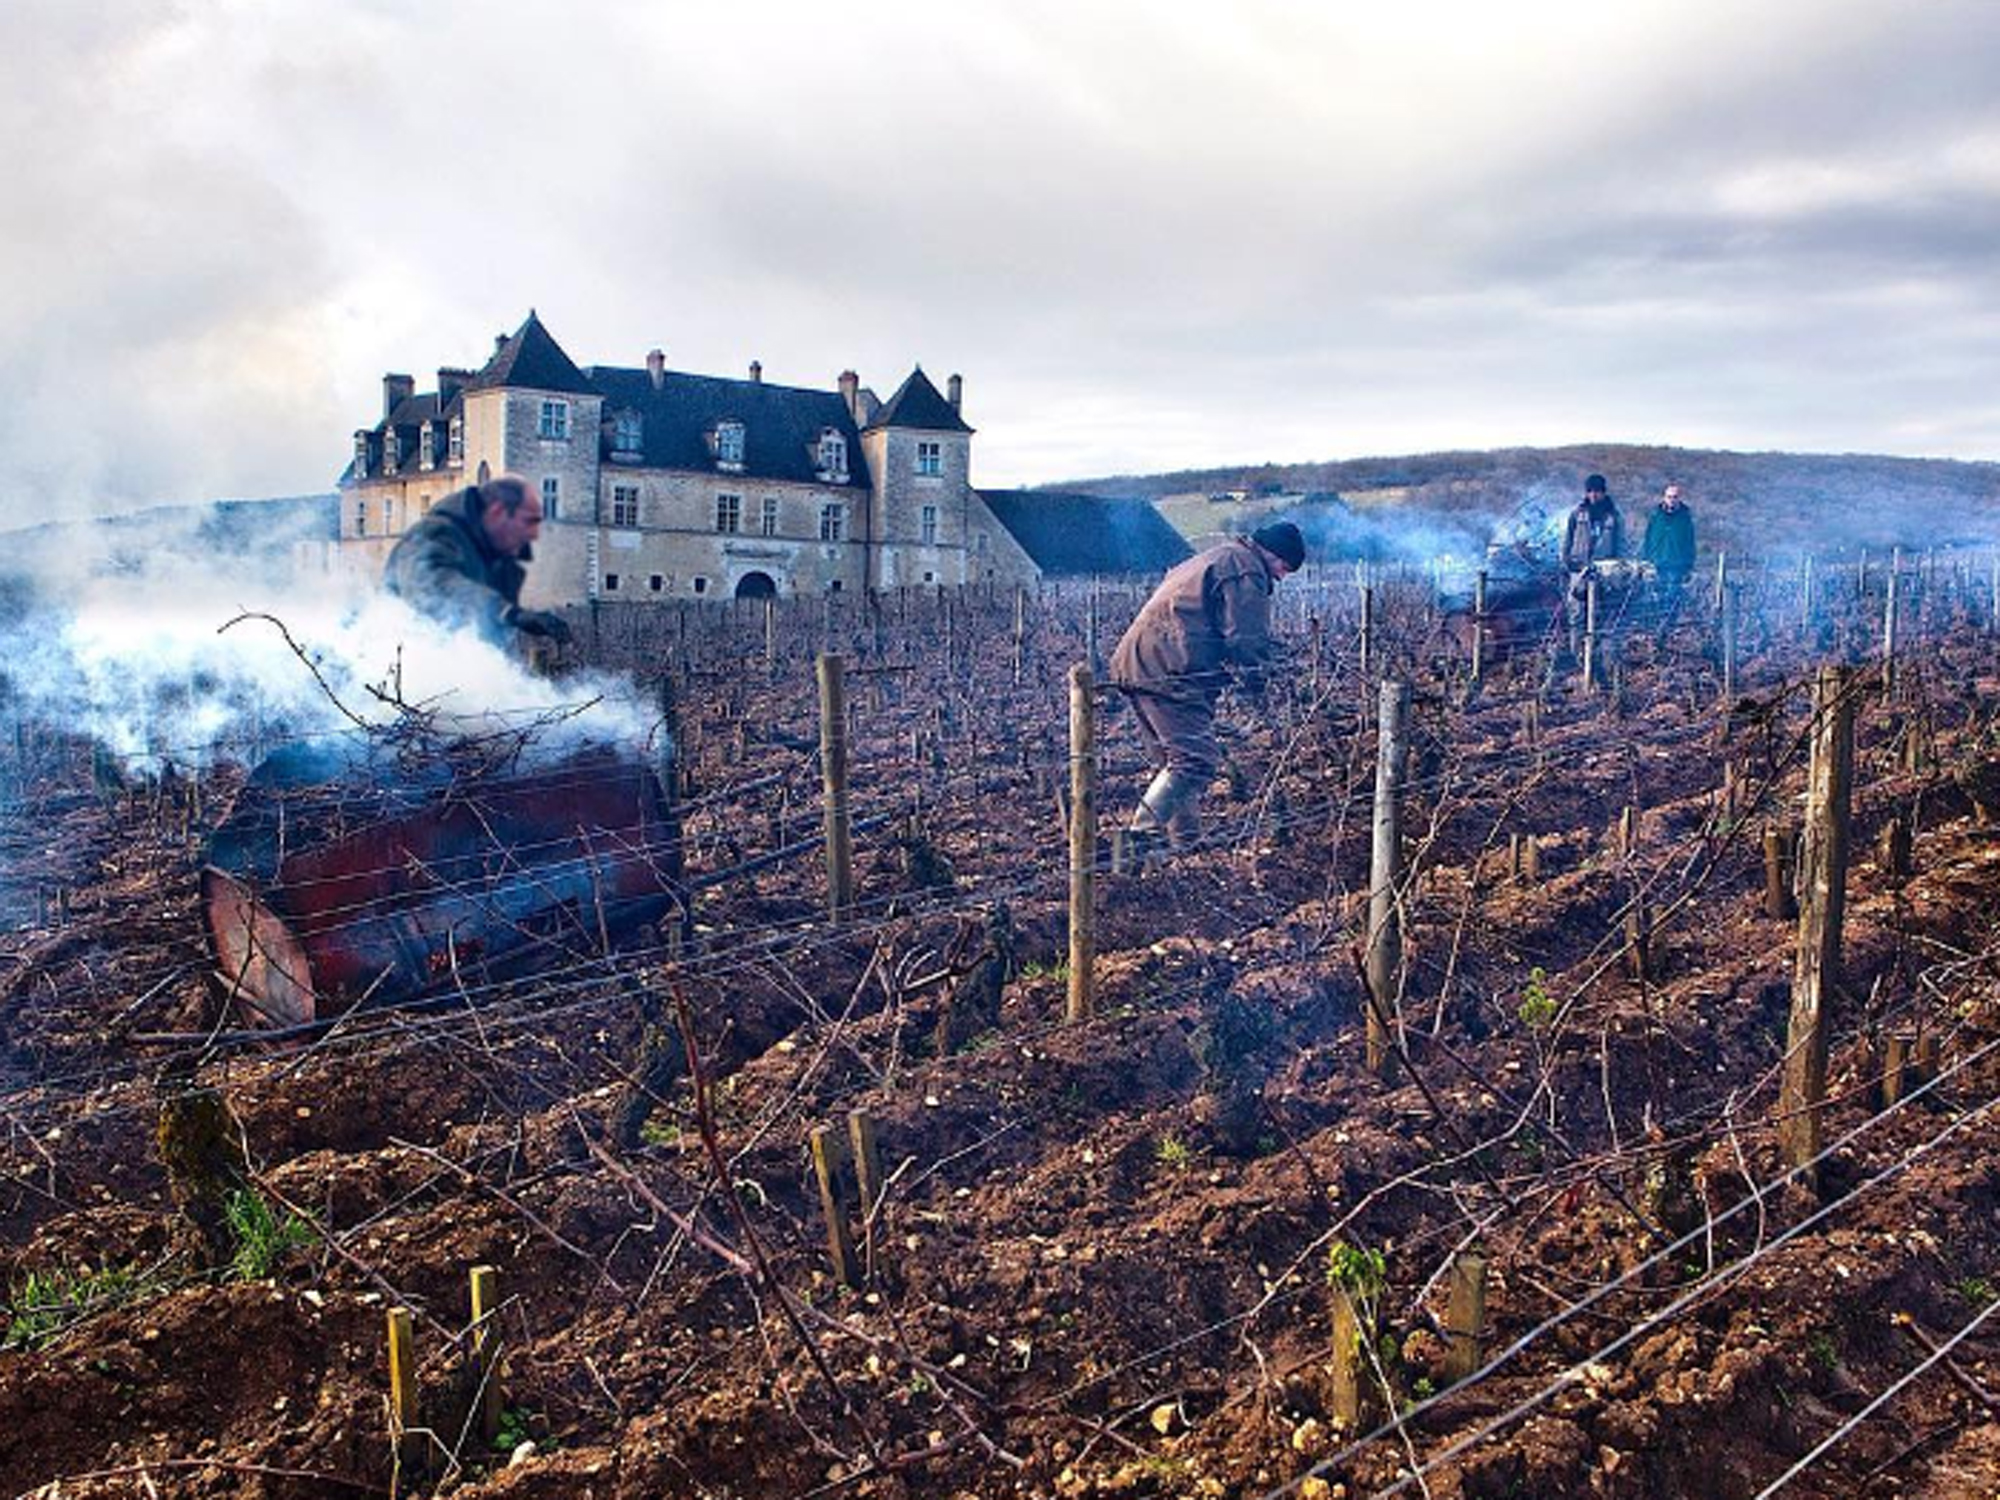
x=1150, y=235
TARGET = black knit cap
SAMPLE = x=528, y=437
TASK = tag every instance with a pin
x=1595, y=485
x=1282, y=540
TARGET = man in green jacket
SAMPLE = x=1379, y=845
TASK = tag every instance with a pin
x=463, y=564
x=1669, y=547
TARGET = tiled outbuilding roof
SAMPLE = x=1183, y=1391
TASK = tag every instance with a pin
x=1078, y=534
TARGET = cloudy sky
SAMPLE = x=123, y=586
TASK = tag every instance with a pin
x=1150, y=234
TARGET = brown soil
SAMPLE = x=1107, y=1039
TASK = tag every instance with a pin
x=1103, y=1253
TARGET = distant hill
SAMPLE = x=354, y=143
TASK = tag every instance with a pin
x=1749, y=502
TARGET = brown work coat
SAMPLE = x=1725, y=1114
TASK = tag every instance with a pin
x=1210, y=614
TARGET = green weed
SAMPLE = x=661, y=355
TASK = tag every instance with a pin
x=45, y=1303
x=1171, y=1151
x=1538, y=1006
x=659, y=1132
x=263, y=1235
x=1975, y=1289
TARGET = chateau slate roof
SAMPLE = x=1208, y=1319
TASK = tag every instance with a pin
x=781, y=424
x=918, y=404
x=1078, y=534
x=532, y=360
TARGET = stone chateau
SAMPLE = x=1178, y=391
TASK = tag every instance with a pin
x=660, y=485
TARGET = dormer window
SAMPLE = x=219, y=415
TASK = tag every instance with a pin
x=392, y=450
x=426, y=447
x=628, y=435
x=729, y=445
x=454, y=448
x=554, y=426
x=832, y=456
x=360, y=455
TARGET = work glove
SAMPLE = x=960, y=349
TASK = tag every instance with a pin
x=538, y=622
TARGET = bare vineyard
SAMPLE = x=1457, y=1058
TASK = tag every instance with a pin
x=1547, y=1077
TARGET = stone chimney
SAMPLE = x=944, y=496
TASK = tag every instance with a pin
x=954, y=389
x=499, y=342
x=756, y=372
x=656, y=367
x=450, y=383
x=396, y=389
x=850, y=392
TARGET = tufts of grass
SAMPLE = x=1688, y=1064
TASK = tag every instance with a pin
x=44, y=1304
x=263, y=1235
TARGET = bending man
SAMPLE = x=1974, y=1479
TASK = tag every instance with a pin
x=463, y=564
x=1210, y=617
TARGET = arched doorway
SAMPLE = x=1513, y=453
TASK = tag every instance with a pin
x=756, y=586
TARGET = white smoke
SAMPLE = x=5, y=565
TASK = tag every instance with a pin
x=127, y=638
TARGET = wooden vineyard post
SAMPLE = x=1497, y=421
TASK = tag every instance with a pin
x=1638, y=940
x=1721, y=578
x=1823, y=900
x=486, y=1347
x=833, y=779
x=1628, y=832
x=1728, y=657
x=1889, y=626
x=1082, y=845
x=1590, y=634
x=1993, y=612
x=406, y=1444
x=1350, y=1364
x=1090, y=629
x=1478, y=630
x=1020, y=628
x=1367, y=629
x=770, y=637
x=1385, y=939
x=1531, y=859
x=1895, y=1066
x=867, y=1151
x=1778, y=900
x=1465, y=1315
x=833, y=1167
x=1892, y=849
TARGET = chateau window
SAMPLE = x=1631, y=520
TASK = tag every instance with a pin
x=392, y=450
x=832, y=455
x=832, y=522
x=770, y=517
x=625, y=505
x=610, y=583
x=628, y=434
x=389, y=516
x=423, y=505
x=930, y=525
x=729, y=513
x=979, y=543
x=551, y=497
x=700, y=584
x=454, y=443
x=555, y=421
x=426, y=447
x=930, y=459
x=729, y=444
x=657, y=583
x=361, y=518
x=360, y=455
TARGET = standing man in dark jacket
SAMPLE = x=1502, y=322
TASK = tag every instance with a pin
x=1210, y=617
x=1669, y=547
x=1595, y=533
x=463, y=564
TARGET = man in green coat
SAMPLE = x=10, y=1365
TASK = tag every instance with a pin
x=463, y=564
x=1669, y=547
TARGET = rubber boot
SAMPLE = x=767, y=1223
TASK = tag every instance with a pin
x=1166, y=813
